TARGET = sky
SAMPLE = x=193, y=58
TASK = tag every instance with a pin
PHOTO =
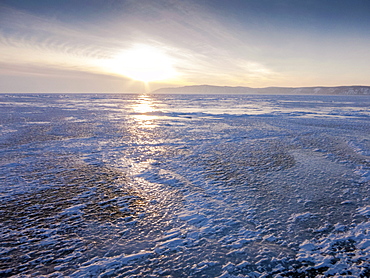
x=140, y=45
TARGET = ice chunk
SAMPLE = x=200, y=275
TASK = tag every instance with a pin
x=299, y=217
x=364, y=211
x=74, y=210
x=364, y=173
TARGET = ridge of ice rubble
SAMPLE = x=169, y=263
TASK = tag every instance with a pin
x=343, y=253
x=107, y=266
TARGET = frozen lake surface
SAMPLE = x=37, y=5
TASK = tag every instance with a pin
x=184, y=186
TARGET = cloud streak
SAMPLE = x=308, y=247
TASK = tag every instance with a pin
x=192, y=37
x=205, y=44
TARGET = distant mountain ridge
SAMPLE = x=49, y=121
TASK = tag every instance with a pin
x=209, y=89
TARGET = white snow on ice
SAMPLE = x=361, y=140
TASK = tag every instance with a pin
x=184, y=186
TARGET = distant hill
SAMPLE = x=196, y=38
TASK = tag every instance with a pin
x=208, y=89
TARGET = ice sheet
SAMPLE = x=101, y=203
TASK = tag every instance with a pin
x=184, y=186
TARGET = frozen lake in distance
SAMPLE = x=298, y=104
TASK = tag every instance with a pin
x=184, y=185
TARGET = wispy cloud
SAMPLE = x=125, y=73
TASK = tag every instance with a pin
x=198, y=43
x=204, y=45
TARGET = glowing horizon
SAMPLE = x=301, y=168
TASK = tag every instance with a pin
x=131, y=45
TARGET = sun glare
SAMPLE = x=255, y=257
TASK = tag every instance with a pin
x=142, y=109
x=143, y=63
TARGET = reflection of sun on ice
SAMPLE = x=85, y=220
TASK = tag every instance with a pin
x=142, y=63
x=144, y=106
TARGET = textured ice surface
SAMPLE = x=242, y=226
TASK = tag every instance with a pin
x=184, y=186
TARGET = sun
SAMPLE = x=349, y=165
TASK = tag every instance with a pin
x=143, y=63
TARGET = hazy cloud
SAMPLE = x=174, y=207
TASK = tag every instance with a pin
x=207, y=44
